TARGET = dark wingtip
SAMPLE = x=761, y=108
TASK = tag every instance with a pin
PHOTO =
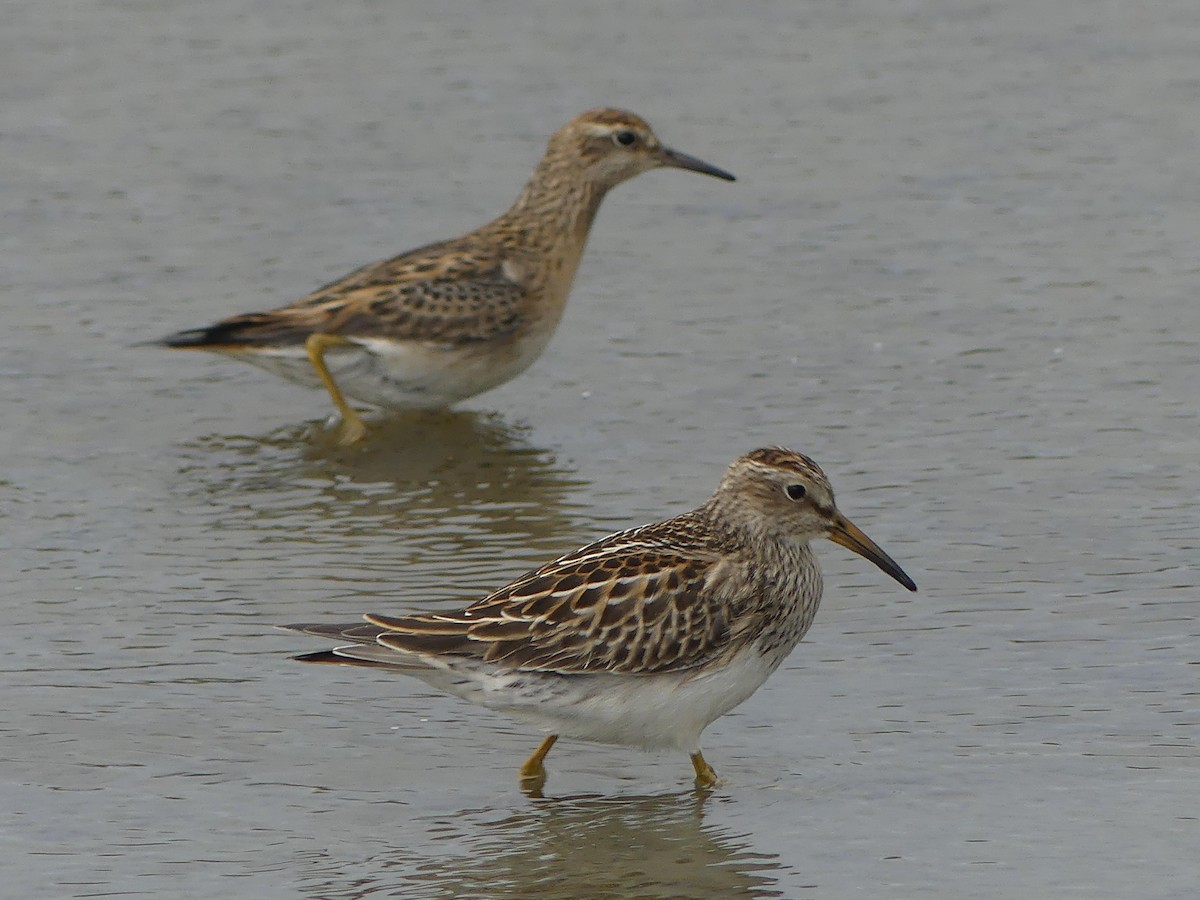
x=180, y=340
x=333, y=658
x=321, y=656
x=193, y=337
x=245, y=330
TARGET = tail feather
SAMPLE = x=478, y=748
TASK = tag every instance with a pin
x=364, y=657
x=328, y=657
x=247, y=330
x=358, y=632
x=376, y=647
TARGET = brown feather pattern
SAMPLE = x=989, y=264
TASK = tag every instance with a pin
x=617, y=605
x=446, y=293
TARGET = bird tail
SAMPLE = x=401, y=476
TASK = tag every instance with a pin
x=247, y=330
x=361, y=651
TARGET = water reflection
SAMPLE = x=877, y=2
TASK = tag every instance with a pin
x=652, y=846
x=435, y=484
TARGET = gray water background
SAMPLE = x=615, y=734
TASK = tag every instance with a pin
x=959, y=269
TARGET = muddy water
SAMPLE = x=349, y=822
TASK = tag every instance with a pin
x=959, y=269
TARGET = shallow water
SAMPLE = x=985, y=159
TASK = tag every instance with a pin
x=958, y=269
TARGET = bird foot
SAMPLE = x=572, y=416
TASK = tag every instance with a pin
x=706, y=775
x=532, y=783
x=350, y=430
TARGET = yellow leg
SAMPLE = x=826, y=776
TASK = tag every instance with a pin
x=533, y=773
x=352, y=429
x=706, y=777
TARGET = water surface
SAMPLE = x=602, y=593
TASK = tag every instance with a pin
x=959, y=269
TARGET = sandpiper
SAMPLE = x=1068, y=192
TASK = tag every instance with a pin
x=644, y=637
x=450, y=320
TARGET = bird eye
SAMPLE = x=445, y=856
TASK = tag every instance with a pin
x=795, y=491
x=625, y=138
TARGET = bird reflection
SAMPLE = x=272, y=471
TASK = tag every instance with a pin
x=591, y=846
x=437, y=483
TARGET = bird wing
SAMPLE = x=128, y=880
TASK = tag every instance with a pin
x=361, y=649
x=633, y=603
x=454, y=292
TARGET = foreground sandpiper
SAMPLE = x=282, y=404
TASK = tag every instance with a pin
x=646, y=636
x=453, y=319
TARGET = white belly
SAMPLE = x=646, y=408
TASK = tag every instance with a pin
x=650, y=711
x=406, y=375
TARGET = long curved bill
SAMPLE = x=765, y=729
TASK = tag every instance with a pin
x=843, y=531
x=678, y=160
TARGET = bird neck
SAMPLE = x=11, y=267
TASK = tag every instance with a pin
x=557, y=206
x=748, y=528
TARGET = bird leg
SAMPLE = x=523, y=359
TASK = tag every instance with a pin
x=533, y=773
x=351, y=430
x=706, y=776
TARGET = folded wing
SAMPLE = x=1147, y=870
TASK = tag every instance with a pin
x=629, y=604
x=443, y=293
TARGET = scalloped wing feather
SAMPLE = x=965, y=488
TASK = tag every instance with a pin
x=631, y=604
x=452, y=292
